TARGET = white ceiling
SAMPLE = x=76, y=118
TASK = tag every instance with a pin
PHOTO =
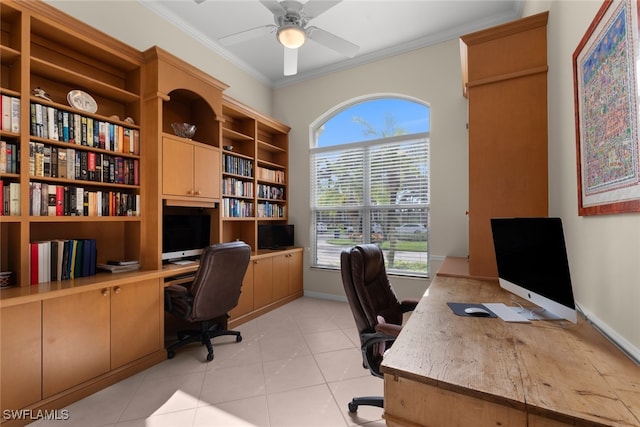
x=381, y=28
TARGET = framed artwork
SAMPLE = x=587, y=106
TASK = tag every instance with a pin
x=606, y=111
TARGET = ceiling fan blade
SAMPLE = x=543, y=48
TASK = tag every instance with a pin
x=290, y=61
x=313, y=8
x=274, y=6
x=199, y=1
x=247, y=35
x=332, y=41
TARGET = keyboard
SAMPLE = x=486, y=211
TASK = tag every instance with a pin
x=506, y=313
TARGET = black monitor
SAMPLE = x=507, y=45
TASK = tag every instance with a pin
x=532, y=263
x=275, y=236
x=185, y=235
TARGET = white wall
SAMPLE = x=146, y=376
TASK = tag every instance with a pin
x=604, y=250
x=432, y=75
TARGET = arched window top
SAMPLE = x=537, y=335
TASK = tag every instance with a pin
x=373, y=119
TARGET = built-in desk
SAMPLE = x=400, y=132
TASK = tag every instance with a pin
x=447, y=370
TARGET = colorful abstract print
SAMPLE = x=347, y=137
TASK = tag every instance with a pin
x=609, y=122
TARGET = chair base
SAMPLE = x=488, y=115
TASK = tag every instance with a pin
x=377, y=401
x=206, y=333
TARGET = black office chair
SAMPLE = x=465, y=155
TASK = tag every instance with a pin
x=376, y=310
x=214, y=292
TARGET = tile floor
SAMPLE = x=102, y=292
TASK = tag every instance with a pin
x=297, y=366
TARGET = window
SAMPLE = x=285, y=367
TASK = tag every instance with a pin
x=370, y=184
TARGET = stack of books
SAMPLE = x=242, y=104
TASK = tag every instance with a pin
x=120, y=266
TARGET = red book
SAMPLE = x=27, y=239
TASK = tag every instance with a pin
x=59, y=200
x=34, y=263
x=91, y=166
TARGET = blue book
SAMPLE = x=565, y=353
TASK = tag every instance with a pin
x=86, y=257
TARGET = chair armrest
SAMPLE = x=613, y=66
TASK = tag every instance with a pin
x=177, y=300
x=388, y=329
x=408, y=305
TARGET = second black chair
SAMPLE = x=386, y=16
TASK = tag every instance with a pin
x=376, y=310
x=214, y=292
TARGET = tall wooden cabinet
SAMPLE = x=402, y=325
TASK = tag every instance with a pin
x=505, y=81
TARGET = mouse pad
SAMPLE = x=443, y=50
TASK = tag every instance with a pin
x=458, y=308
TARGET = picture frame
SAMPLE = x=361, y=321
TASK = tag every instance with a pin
x=606, y=111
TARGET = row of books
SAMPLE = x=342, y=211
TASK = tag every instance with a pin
x=237, y=165
x=61, y=125
x=271, y=210
x=235, y=208
x=54, y=260
x=270, y=192
x=9, y=157
x=237, y=187
x=58, y=162
x=10, y=113
x=9, y=198
x=64, y=200
x=270, y=175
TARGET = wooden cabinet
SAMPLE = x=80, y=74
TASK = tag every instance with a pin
x=287, y=274
x=87, y=334
x=75, y=340
x=262, y=282
x=190, y=169
x=245, y=303
x=21, y=362
x=277, y=276
x=136, y=316
x=505, y=72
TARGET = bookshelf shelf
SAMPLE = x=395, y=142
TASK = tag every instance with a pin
x=81, y=218
x=71, y=78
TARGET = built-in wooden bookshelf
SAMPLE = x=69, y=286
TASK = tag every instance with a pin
x=42, y=49
x=255, y=154
x=137, y=168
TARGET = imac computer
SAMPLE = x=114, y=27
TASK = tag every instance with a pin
x=532, y=263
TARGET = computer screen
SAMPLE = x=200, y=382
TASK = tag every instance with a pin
x=532, y=263
x=184, y=235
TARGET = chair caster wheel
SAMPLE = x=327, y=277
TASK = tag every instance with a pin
x=171, y=354
x=209, y=357
x=239, y=338
x=353, y=408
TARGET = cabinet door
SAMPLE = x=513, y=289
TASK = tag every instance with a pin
x=177, y=167
x=135, y=321
x=206, y=172
x=280, y=276
x=245, y=304
x=262, y=282
x=20, y=367
x=295, y=272
x=75, y=340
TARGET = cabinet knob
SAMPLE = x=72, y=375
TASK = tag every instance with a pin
x=197, y=192
x=105, y=292
x=117, y=290
x=190, y=192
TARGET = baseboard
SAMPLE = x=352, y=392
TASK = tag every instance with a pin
x=320, y=295
x=618, y=340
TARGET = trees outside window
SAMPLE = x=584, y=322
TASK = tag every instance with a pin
x=370, y=183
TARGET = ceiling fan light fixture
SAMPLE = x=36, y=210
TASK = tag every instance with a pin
x=291, y=36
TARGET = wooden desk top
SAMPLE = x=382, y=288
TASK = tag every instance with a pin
x=555, y=369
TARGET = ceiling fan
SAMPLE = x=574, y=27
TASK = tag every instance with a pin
x=291, y=18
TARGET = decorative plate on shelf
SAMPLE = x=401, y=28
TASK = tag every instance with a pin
x=82, y=101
